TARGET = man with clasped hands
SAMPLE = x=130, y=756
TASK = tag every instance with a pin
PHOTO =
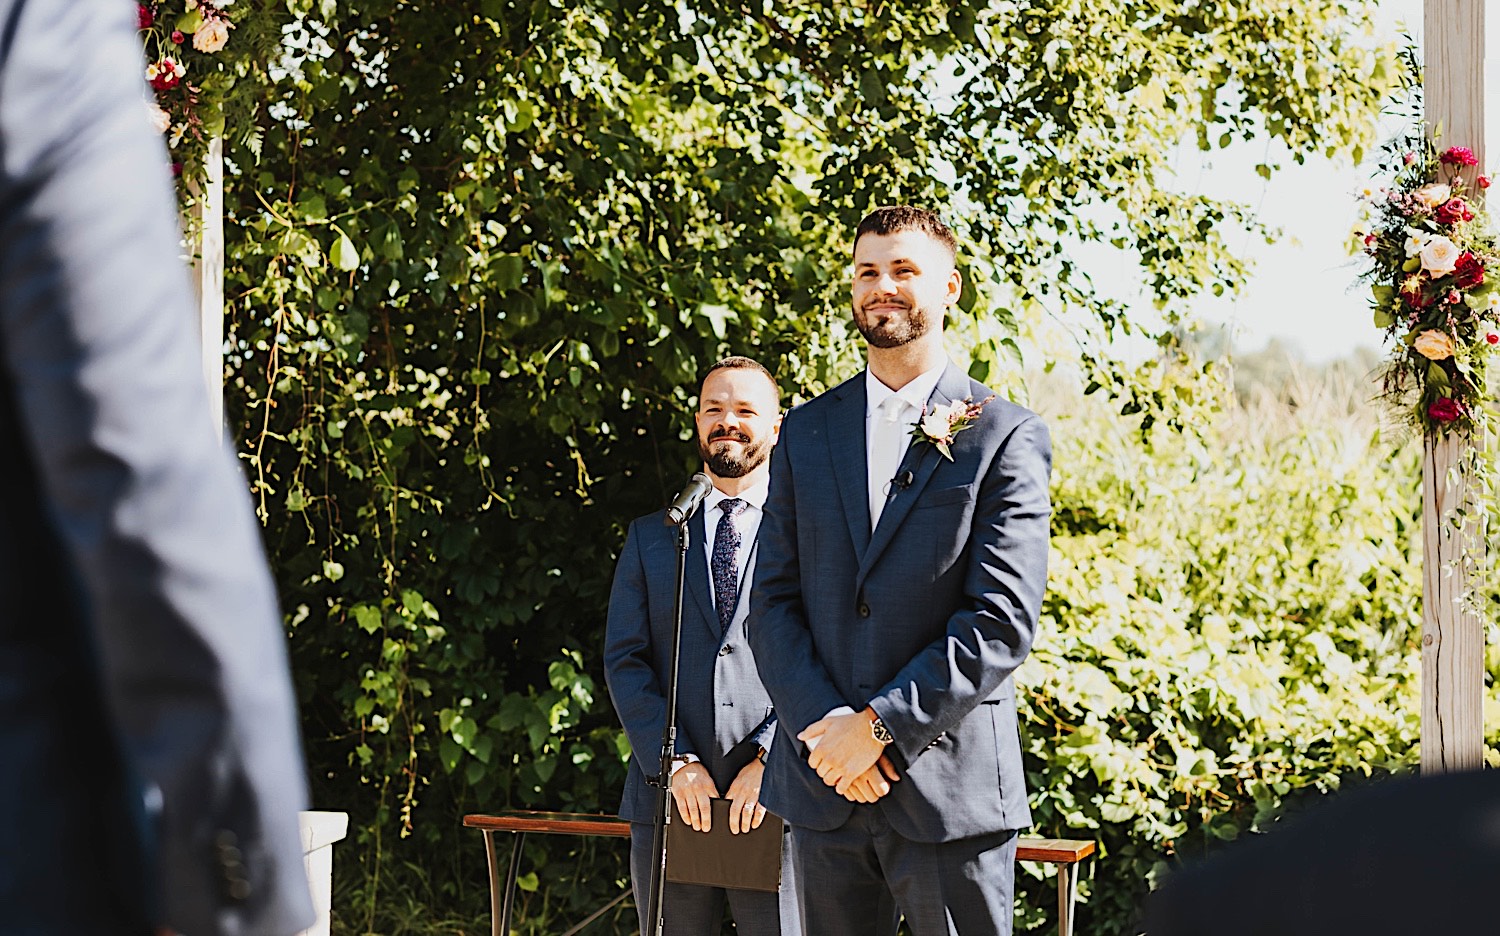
x=724, y=715
x=903, y=558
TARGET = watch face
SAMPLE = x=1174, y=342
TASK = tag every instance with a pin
x=881, y=732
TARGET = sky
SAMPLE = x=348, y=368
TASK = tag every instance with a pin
x=1302, y=290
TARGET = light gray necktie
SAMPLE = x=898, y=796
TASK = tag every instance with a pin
x=888, y=443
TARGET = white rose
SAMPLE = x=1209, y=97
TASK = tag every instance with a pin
x=1439, y=255
x=1415, y=241
x=160, y=119
x=935, y=424
x=212, y=35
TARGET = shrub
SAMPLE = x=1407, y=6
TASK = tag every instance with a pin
x=1232, y=620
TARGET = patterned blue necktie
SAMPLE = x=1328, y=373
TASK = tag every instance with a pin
x=725, y=568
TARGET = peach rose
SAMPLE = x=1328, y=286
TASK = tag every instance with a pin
x=212, y=36
x=1434, y=345
x=1433, y=194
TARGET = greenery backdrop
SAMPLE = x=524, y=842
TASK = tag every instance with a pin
x=478, y=254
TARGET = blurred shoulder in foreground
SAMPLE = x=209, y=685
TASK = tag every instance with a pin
x=1411, y=855
x=153, y=769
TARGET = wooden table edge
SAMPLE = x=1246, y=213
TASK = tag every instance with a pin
x=1027, y=849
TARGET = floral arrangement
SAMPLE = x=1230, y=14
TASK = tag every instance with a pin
x=184, y=41
x=1433, y=274
x=939, y=426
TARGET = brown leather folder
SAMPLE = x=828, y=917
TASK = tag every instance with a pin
x=719, y=858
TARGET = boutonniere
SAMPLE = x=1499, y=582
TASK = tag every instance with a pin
x=944, y=422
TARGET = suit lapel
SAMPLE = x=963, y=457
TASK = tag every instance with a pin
x=846, y=448
x=921, y=459
x=696, y=573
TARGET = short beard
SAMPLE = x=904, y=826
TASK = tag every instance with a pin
x=726, y=464
x=891, y=333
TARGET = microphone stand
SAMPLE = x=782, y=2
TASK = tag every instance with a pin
x=668, y=745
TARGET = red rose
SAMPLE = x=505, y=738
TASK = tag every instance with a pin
x=1415, y=297
x=1468, y=271
x=164, y=75
x=1459, y=156
x=1444, y=410
x=1492, y=337
x=1452, y=211
x=178, y=37
x=1483, y=181
x=176, y=168
x=144, y=16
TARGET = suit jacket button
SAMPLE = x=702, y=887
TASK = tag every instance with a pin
x=864, y=610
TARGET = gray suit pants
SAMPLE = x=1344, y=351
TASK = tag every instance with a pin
x=861, y=878
x=690, y=910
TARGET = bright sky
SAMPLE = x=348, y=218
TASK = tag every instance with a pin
x=1302, y=288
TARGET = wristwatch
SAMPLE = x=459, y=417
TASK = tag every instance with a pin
x=760, y=754
x=880, y=731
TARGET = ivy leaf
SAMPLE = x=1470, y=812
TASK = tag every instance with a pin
x=344, y=255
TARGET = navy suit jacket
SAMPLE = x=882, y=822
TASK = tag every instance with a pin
x=720, y=699
x=925, y=620
x=152, y=770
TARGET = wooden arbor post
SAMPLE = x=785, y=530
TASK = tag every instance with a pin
x=1461, y=58
x=207, y=223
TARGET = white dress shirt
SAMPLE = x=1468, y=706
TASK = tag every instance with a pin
x=747, y=523
x=885, y=445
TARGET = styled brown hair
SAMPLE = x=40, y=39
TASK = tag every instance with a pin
x=891, y=219
x=740, y=362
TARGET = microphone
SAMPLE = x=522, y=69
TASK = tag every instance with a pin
x=697, y=488
x=903, y=480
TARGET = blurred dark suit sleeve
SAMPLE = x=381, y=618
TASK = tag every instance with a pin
x=146, y=710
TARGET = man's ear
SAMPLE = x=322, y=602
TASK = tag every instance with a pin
x=955, y=286
x=776, y=428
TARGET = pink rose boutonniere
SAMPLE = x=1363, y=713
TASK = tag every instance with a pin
x=942, y=423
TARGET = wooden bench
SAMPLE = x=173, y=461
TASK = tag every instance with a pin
x=1066, y=854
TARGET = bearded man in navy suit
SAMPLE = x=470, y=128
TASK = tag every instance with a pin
x=902, y=564
x=723, y=711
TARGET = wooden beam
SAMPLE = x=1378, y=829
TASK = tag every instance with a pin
x=1452, y=634
x=1456, y=72
x=208, y=274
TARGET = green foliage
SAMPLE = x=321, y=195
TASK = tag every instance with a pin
x=478, y=254
x=1232, y=623
x=219, y=91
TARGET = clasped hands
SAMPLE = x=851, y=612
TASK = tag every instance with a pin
x=693, y=789
x=848, y=758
